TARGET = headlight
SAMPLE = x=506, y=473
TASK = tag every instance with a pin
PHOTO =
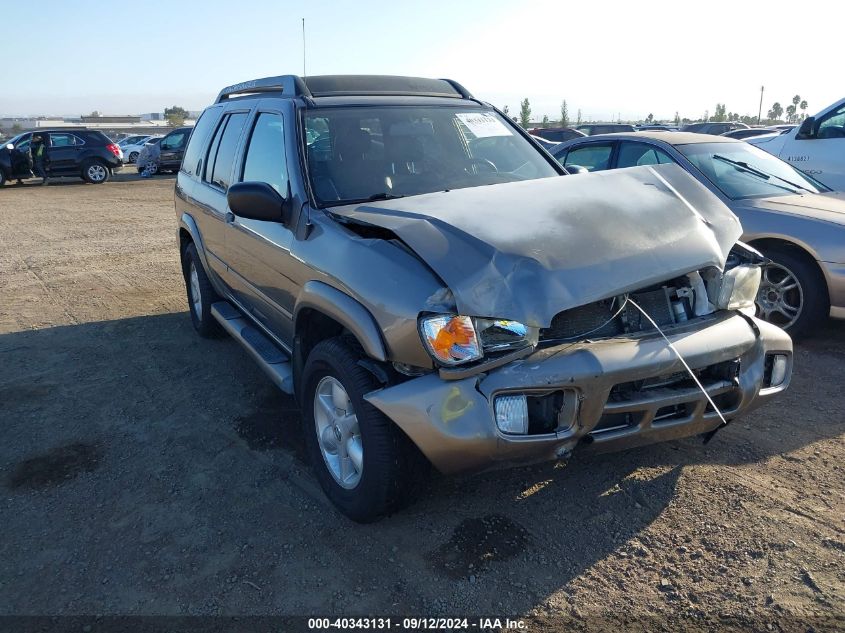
x=739, y=288
x=454, y=340
x=451, y=340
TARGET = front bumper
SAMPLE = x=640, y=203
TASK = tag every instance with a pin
x=453, y=423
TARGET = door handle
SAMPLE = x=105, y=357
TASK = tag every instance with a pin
x=229, y=217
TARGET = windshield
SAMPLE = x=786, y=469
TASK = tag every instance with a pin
x=743, y=171
x=357, y=154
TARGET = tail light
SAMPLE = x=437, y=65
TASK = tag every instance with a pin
x=114, y=149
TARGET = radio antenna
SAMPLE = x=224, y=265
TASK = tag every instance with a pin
x=303, y=48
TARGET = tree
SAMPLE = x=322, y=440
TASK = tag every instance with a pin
x=175, y=116
x=775, y=113
x=720, y=115
x=790, y=112
x=578, y=120
x=524, y=113
x=803, y=106
x=506, y=111
x=796, y=100
x=649, y=118
x=16, y=128
x=545, y=121
x=564, y=114
x=677, y=119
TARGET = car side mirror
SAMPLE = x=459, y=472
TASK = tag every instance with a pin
x=807, y=129
x=257, y=201
x=10, y=147
x=576, y=169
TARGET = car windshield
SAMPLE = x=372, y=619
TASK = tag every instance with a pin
x=741, y=171
x=357, y=154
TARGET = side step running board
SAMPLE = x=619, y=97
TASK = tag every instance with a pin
x=274, y=361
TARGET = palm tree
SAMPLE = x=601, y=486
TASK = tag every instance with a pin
x=803, y=106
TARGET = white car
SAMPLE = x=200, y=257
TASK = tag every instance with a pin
x=132, y=146
x=816, y=147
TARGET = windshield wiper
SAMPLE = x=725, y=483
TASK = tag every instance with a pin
x=760, y=173
x=373, y=198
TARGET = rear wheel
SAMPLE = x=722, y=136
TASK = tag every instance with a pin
x=95, y=172
x=366, y=466
x=793, y=292
x=133, y=157
x=200, y=293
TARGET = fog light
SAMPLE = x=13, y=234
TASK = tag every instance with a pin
x=512, y=414
x=779, y=366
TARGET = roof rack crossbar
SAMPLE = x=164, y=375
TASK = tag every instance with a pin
x=286, y=84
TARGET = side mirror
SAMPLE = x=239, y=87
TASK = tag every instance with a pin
x=576, y=169
x=10, y=147
x=257, y=201
x=807, y=129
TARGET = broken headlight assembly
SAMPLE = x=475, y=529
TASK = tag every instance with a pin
x=737, y=288
x=456, y=340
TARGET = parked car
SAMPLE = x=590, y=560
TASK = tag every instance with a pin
x=434, y=288
x=590, y=129
x=556, y=134
x=790, y=217
x=88, y=154
x=817, y=147
x=132, y=150
x=657, y=128
x=149, y=154
x=172, y=148
x=544, y=143
x=746, y=133
x=710, y=127
x=132, y=139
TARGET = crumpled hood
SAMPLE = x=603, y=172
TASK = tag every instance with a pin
x=528, y=250
x=829, y=207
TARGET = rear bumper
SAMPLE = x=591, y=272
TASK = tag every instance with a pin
x=453, y=422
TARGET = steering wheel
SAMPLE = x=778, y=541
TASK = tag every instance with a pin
x=488, y=165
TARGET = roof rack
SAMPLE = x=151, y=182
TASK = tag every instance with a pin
x=348, y=85
x=286, y=84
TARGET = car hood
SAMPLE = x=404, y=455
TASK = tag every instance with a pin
x=528, y=250
x=828, y=207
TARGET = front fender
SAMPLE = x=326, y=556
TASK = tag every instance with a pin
x=346, y=311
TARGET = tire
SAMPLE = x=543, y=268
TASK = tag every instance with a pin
x=196, y=282
x=2, y=177
x=390, y=465
x=95, y=172
x=793, y=292
x=133, y=157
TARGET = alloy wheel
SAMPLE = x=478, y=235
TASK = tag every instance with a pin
x=780, y=299
x=97, y=172
x=338, y=432
x=196, y=295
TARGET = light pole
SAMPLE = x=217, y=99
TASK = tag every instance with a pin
x=760, y=110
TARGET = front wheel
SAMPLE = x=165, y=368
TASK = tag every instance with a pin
x=94, y=172
x=793, y=292
x=133, y=157
x=366, y=466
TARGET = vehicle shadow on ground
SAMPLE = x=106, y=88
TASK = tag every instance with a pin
x=141, y=412
x=128, y=174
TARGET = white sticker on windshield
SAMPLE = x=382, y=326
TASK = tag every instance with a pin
x=483, y=124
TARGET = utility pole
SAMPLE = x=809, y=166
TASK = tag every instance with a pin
x=303, y=48
x=760, y=110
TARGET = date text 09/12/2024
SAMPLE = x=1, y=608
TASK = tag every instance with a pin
x=416, y=624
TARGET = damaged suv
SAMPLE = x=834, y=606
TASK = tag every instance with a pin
x=410, y=265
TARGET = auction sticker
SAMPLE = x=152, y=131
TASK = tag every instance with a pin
x=483, y=124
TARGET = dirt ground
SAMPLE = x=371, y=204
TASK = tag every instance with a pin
x=144, y=470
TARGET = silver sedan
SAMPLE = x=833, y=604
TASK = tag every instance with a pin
x=792, y=219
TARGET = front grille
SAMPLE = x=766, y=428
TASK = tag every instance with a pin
x=604, y=319
x=670, y=398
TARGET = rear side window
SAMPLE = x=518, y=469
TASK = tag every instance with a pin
x=265, y=154
x=64, y=140
x=635, y=154
x=592, y=157
x=218, y=168
x=193, y=153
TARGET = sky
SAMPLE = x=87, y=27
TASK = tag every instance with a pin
x=609, y=59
